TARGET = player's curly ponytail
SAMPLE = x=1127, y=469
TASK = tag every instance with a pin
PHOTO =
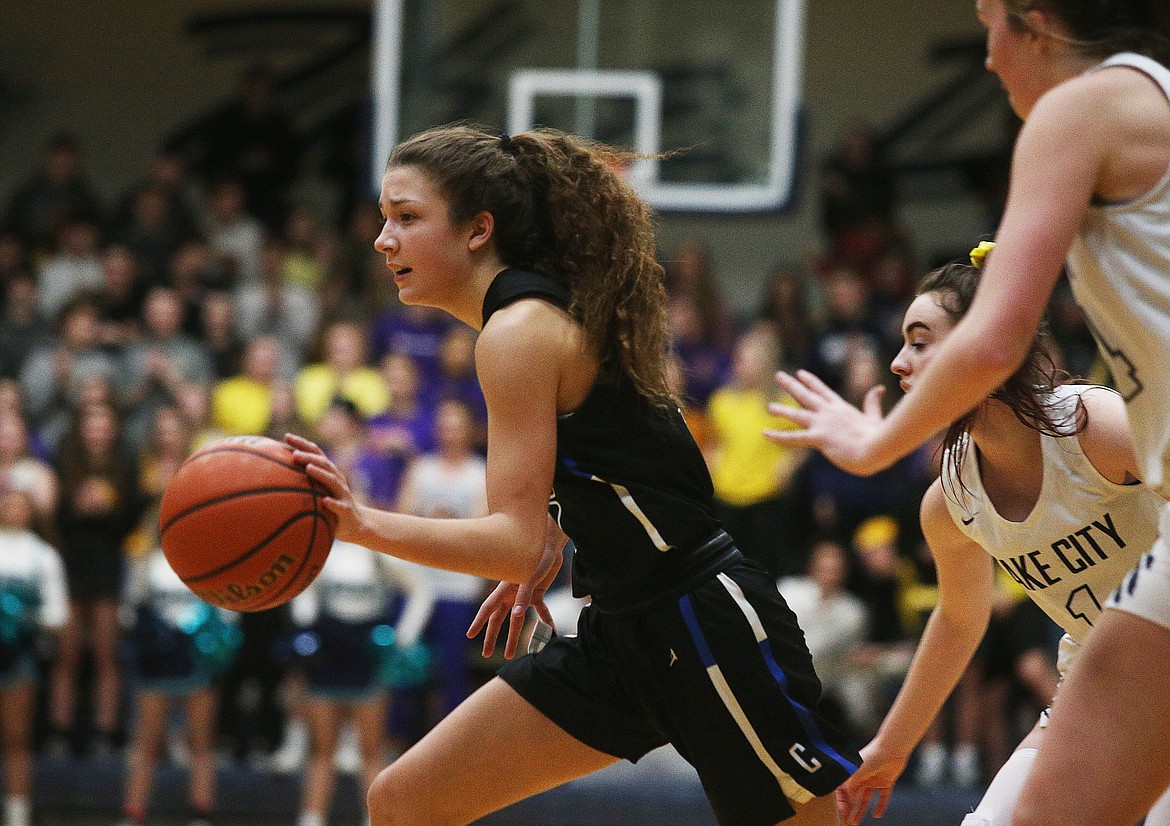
x=560, y=208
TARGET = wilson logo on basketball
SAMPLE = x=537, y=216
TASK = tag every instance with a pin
x=234, y=592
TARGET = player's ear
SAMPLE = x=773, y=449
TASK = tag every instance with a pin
x=481, y=231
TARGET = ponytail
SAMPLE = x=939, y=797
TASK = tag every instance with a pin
x=561, y=209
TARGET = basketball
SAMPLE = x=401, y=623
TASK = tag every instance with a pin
x=243, y=525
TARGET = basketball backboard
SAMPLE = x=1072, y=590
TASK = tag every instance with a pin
x=717, y=83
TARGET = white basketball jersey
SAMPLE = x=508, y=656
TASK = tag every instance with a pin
x=1120, y=273
x=1084, y=534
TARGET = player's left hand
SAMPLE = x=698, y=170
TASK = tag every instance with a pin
x=874, y=780
x=845, y=435
x=511, y=601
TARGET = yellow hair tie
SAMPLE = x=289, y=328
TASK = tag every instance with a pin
x=980, y=252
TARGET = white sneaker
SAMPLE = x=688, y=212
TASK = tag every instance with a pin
x=965, y=768
x=347, y=758
x=932, y=765
x=294, y=750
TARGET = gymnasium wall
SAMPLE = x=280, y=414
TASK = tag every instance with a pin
x=123, y=74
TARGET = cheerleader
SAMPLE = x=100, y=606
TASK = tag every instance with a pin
x=351, y=654
x=182, y=645
x=32, y=599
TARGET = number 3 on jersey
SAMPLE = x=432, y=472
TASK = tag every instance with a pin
x=1121, y=367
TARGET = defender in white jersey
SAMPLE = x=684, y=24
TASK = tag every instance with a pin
x=1088, y=184
x=1041, y=476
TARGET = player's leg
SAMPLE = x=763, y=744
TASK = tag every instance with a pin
x=1108, y=731
x=995, y=808
x=491, y=751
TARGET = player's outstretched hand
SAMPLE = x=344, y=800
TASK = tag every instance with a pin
x=844, y=434
x=511, y=601
x=320, y=468
x=873, y=780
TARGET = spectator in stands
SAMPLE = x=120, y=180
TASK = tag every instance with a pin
x=455, y=378
x=253, y=141
x=100, y=506
x=120, y=299
x=840, y=501
x=345, y=371
x=21, y=470
x=194, y=272
x=235, y=236
x=786, y=305
x=194, y=403
x=449, y=482
x=707, y=366
x=415, y=330
x=74, y=265
x=23, y=327
x=242, y=404
x=403, y=431
x=150, y=235
x=171, y=209
x=858, y=199
x=308, y=253
x=690, y=273
x=752, y=475
x=14, y=257
x=694, y=415
x=847, y=328
x=32, y=586
x=835, y=623
x=274, y=305
x=164, y=358
x=360, y=266
x=250, y=716
x=58, y=190
x=54, y=373
x=219, y=333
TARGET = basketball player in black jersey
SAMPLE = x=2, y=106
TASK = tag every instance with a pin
x=536, y=241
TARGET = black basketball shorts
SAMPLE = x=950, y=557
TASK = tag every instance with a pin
x=722, y=673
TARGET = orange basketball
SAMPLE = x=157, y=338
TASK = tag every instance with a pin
x=243, y=525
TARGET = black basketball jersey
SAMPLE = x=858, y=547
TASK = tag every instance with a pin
x=631, y=488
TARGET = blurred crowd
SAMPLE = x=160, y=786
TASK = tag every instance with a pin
x=206, y=302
